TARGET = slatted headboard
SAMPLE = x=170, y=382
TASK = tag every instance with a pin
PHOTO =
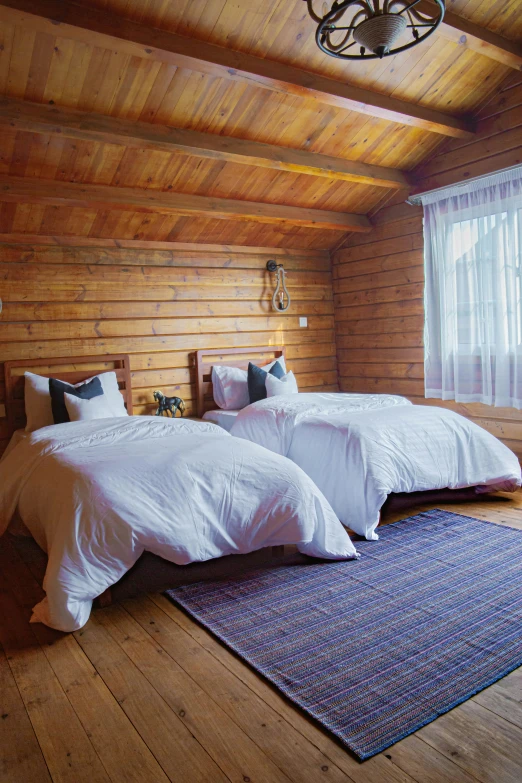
x=71, y=369
x=232, y=357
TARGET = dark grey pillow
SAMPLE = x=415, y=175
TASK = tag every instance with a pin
x=257, y=380
x=57, y=389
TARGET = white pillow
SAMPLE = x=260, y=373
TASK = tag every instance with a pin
x=230, y=385
x=83, y=410
x=37, y=402
x=276, y=387
x=38, y=408
x=111, y=392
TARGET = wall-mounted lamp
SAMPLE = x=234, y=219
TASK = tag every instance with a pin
x=281, y=298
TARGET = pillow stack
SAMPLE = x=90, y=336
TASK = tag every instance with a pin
x=234, y=388
x=50, y=401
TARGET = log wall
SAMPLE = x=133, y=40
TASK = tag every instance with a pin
x=379, y=278
x=160, y=304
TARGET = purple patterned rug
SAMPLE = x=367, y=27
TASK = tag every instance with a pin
x=376, y=648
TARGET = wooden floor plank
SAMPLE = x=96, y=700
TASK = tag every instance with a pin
x=374, y=770
x=127, y=760
x=301, y=761
x=178, y=752
x=65, y=745
x=228, y=745
x=425, y=763
x=148, y=684
x=478, y=741
x=21, y=759
x=504, y=698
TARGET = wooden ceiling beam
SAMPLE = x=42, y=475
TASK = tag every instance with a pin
x=42, y=118
x=99, y=28
x=68, y=241
x=478, y=39
x=73, y=194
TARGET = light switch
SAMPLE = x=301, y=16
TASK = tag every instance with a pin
x=303, y=321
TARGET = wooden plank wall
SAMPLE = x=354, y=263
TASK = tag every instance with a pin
x=161, y=304
x=379, y=278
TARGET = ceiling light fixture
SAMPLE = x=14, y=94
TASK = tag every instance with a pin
x=366, y=29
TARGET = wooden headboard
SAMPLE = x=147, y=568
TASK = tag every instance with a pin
x=71, y=369
x=232, y=357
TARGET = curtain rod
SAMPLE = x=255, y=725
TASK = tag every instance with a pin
x=416, y=199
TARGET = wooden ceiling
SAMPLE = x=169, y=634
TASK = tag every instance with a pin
x=92, y=93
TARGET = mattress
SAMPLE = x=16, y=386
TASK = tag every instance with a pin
x=224, y=419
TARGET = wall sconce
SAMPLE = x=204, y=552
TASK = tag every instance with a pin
x=281, y=298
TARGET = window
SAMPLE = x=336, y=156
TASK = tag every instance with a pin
x=472, y=255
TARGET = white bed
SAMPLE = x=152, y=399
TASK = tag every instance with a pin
x=361, y=448
x=97, y=493
x=184, y=490
x=358, y=449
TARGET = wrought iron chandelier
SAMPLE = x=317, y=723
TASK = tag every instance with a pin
x=366, y=29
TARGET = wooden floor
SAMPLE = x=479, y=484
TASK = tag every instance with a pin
x=143, y=694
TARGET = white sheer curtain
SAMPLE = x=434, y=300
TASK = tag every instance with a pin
x=472, y=256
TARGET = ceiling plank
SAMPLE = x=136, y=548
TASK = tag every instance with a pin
x=478, y=39
x=42, y=118
x=98, y=28
x=55, y=193
x=68, y=241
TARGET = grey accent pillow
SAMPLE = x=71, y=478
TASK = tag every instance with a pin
x=57, y=389
x=257, y=380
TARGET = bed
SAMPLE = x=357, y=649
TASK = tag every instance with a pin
x=183, y=491
x=359, y=449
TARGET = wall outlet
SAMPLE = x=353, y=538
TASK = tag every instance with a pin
x=303, y=321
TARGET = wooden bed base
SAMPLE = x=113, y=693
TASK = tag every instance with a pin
x=159, y=575
x=153, y=574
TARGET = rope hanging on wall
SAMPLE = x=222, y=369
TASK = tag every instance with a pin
x=280, y=298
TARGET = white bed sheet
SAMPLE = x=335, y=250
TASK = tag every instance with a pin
x=360, y=448
x=96, y=494
x=224, y=419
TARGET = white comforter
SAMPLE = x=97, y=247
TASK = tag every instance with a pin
x=359, y=448
x=96, y=494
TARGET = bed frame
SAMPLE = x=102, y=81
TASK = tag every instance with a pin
x=231, y=357
x=151, y=573
x=72, y=370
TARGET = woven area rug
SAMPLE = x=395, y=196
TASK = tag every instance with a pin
x=376, y=648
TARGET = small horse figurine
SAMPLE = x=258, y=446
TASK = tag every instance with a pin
x=168, y=404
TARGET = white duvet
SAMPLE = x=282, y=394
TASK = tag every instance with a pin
x=359, y=448
x=96, y=494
